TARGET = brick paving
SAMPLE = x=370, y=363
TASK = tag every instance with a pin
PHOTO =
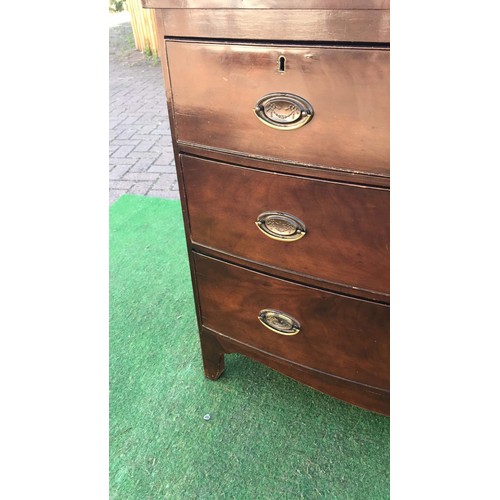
x=141, y=158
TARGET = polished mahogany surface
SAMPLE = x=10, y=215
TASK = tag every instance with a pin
x=214, y=346
x=347, y=88
x=269, y=4
x=279, y=111
x=347, y=227
x=326, y=20
x=351, y=25
x=341, y=336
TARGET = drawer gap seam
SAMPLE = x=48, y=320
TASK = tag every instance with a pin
x=281, y=43
x=297, y=175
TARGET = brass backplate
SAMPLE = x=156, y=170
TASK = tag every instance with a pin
x=283, y=111
x=281, y=226
x=279, y=322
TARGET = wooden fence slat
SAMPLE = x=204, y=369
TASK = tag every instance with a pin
x=143, y=27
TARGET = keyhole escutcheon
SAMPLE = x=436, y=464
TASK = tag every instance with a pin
x=281, y=64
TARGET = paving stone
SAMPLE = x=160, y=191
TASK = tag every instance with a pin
x=122, y=161
x=142, y=165
x=113, y=122
x=165, y=181
x=144, y=145
x=129, y=120
x=171, y=195
x=121, y=184
x=128, y=133
x=118, y=172
x=122, y=151
x=113, y=134
x=140, y=188
x=165, y=142
x=147, y=137
x=140, y=146
x=114, y=194
x=126, y=142
x=117, y=113
x=140, y=176
x=143, y=154
x=160, y=169
x=146, y=129
x=160, y=147
x=169, y=169
x=158, y=131
x=165, y=159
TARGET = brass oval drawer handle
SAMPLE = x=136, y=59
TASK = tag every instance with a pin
x=281, y=226
x=283, y=111
x=279, y=322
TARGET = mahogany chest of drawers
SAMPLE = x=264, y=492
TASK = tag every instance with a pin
x=279, y=112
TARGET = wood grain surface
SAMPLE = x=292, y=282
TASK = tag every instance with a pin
x=375, y=400
x=346, y=337
x=347, y=238
x=222, y=58
x=268, y=4
x=348, y=25
x=347, y=88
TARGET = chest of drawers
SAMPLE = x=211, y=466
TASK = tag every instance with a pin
x=279, y=113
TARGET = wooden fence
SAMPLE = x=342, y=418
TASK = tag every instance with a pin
x=143, y=27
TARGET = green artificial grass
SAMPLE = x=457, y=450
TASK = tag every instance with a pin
x=268, y=437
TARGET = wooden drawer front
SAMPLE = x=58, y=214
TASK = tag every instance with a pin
x=216, y=87
x=328, y=22
x=347, y=227
x=338, y=335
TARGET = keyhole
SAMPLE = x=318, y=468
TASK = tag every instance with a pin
x=281, y=64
